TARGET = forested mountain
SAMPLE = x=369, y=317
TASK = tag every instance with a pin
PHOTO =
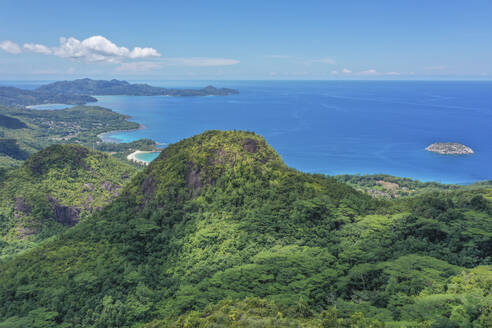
x=79, y=92
x=10, y=96
x=24, y=131
x=52, y=191
x=117, y=87
x=219, y=232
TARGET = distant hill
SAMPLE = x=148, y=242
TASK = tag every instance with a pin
x=79, y=92
x=25, y=131
x=53, y=190
x=10, y=96
x=11, y=122
x=117, y=87
x=219, y=232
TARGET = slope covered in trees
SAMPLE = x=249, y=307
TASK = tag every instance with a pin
x=11, y=96
x=219, y=232
x=117, y=87
x=25, y=131
x=52, y=191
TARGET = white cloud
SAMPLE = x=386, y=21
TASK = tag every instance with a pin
x=10, y=47
x=39, y=48
x=346, y=71
x=138, y=52
x=138, y=66
x=94, y=49
x=375, y=72
x=99, y=49
x=369, y=72
x=200, y=62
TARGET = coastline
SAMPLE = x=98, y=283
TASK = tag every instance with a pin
x=105, y=135
x=133, y=156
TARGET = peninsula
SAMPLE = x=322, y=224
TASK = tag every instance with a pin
x=450, y=148
x=81, y=91
x=123, y=88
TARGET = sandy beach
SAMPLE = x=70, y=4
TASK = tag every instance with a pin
x=133, y=156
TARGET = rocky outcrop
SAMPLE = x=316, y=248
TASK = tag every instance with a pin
x=450, y=148
x=108, y=186
x=66, y=215
x=250, y=145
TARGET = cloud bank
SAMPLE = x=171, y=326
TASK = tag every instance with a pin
x=39, y=48
x=10, y=47
x=94, y=49
x=99, y=49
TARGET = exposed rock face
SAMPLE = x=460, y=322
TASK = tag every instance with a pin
x=66, y=215
x=148, y=186
x=450, y=148
x=250, y=145
x=194, y=180
x=108, y=186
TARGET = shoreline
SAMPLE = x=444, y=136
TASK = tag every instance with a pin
x=104, y=138
x=133, y=156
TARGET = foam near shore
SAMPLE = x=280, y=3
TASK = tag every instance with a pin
x=133, y=156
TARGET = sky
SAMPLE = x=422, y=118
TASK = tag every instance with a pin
x=233, y=40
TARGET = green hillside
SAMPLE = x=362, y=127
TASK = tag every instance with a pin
x=219, y=232
x=24, y=131
x=52, y=191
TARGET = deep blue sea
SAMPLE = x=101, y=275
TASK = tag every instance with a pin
x=335, y=127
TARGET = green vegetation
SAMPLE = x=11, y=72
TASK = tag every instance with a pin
x=25, y=131
x=387, y=186
x=79, y=92
x=219, y=232
x=52, y=191
x=11, y=123
x=15, y=97
x=123, y=149
x=116, y=87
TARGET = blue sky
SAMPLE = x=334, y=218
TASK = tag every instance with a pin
x=246, y=39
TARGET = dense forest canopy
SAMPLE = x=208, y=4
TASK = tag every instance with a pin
x=219, y=232
x=54, y=190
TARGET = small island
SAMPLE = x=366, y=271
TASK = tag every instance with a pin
x=450, y=148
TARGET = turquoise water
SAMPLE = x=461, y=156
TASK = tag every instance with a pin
x=147, y=157
x=336, y=127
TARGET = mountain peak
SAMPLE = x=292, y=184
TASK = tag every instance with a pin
x=71, y=156
x=205, y=159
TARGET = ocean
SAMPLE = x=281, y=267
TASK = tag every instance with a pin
x=335, y=127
